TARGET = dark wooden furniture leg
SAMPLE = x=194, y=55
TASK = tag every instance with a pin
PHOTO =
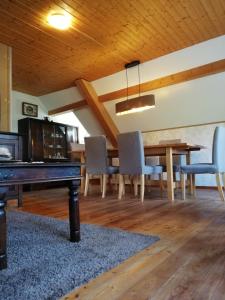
x=74, y=214
x=3, y=255
x=20, y=195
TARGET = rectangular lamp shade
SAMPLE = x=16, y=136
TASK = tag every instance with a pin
x=135, y=105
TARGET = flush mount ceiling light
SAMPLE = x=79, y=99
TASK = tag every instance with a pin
x=60, y=21
x=137, y=104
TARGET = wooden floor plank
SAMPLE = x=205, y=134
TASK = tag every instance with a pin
x=187, y=263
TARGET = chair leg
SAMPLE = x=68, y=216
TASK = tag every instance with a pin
x=193, y=185
x=121, y=186
x=104, y=182
x=161, y=182
x=149, y=182
x=223, y=178
x=219, y=186
x=135, y=186
x=124, y=186
x=142, y=187
x=183, y=185
x=101, y=183
x=86, y=184
x=190, y=183
x=116, y=182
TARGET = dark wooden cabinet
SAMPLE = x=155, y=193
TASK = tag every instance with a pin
x=45, y=140
x=11, y=149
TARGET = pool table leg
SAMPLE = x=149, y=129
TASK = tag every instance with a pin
x=3, y=235
x=74, y=214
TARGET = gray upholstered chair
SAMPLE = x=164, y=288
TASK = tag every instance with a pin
x=97, y=162
x=132, y=161
x=217, y=166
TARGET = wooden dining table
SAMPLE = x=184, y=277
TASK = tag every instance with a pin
x=167, y=150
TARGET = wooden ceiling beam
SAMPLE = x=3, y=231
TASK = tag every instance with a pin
x=194, y=73
x=102, y=115
x=72, y=106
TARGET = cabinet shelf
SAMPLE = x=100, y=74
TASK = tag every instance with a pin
x=46, y=141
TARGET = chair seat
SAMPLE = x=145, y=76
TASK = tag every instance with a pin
x=147, y=170
x=176, y=168
x=202, y=168
x=112, y=170
x=157, y=169
x=152, y=170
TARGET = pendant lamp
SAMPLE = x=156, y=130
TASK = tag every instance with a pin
x=136, y=104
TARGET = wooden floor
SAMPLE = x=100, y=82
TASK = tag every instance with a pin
x=187, y=263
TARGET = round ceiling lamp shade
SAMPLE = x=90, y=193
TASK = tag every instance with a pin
x=135, y=105
x=61, y=21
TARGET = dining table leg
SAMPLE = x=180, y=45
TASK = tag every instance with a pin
x=189, y=176
x=169, y=168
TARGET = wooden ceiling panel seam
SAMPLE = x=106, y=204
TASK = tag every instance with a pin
x=45, y=44
x=200, y=19
x=90, y=38
x=19, y=44
x=134, y=29
x=179, y=31
x=209, y=10
x=37, y=27
x=103, y=44
x=221, y=6
x=125, y=34
x=157, y=18
x=187, y=22
x=151, y=26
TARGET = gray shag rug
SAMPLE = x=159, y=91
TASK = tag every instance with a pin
x=43, y=264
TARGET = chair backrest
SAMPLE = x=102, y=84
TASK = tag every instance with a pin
x=96, y=154
x=131, y=153
x=178, y=160
x=218, y=151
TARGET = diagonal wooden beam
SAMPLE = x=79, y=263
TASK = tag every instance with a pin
x=72, y=106
x=102, y=115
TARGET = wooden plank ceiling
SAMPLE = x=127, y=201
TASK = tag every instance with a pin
x=104, y=36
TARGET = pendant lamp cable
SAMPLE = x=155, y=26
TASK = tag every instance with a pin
x=139, y=84
x=127, y=82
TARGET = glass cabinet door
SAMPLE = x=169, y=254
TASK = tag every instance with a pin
x=60, y=142
x=54, y=142
x=48, y=141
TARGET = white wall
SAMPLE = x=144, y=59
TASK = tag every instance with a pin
x=61, y=98
x=69, y=118
x=71, y=95
x=193, y=102
x=16, y=108
x=190, y=57
x=201, y=134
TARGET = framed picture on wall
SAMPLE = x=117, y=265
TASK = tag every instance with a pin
x=29, y=109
